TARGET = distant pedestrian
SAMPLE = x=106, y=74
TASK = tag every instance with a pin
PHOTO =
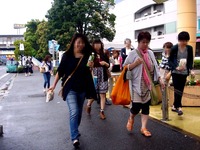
x=141, y=83
x=12, y=59
x=125, y=51
x=80, y=84
x=100, y=68
x=30, y=66
x=115, y=61
x=181, y=63
x=26, y=66
x=48, y=67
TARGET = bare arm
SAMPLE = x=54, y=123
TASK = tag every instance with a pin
x=55, y=82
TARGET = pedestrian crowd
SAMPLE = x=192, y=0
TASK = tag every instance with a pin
x=28, y=65
x=85, y=71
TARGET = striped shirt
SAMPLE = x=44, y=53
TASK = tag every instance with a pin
x=164, y=63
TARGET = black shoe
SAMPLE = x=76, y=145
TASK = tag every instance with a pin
x=174, y=109
x=76, y=144
x=180, y=112
x=108, y=102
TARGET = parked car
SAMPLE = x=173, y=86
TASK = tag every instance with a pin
x=11, y=66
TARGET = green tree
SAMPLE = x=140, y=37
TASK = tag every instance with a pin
x=30, y=34
x=89, y=17
x=42, y=40
x=28, y=50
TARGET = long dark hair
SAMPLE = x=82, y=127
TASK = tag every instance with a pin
x=101, y=51
x=47, y=58
x=86, y=50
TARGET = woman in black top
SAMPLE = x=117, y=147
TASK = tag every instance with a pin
x=181, y=63
x=100, y=67
x=80, y=86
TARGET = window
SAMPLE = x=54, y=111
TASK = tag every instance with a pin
x=170, y=27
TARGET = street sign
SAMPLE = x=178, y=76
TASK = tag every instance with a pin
x=21, y=47
x=57, y=47
x=50, y=44
x=19, y=26
x=51, y=48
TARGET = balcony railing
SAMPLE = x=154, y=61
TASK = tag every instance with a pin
x=149, y=16
x=7, y=46
x=156, y=37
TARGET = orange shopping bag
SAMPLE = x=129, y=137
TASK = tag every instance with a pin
x=121, y=94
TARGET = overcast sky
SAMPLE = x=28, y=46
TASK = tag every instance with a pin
x=21, y=11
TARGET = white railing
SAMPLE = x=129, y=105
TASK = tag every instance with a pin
x=149, y=16
x=36, y=62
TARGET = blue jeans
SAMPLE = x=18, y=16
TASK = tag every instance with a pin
x=47, y=77
x=75, y=101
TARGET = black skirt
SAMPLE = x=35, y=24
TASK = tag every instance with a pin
x=116, y=68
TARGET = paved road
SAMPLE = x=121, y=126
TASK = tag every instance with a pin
x=2, y=71
x=31, y=124
x=5, y=80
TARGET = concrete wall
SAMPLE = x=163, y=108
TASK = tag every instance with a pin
x=126, y=25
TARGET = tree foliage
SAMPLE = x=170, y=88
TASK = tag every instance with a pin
x=42, y=39
x=66, y=17
x=36, y=35
x=29, y=35
x=89, y=17
x=28, y=50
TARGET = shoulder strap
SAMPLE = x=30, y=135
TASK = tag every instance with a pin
x=72, y=72
x=145, y=66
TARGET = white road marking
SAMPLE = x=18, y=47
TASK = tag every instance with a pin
x=4, y=75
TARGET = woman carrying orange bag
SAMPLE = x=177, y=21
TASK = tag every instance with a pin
x=140, y=82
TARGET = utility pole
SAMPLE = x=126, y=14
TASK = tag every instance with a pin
x=1, y=130
x=21, y=48
x=165, y=110
x=54, y=43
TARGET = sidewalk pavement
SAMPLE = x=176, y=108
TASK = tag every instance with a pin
x=189, y=122
x=32, y=124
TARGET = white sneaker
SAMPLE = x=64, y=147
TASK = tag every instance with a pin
x=44, y=90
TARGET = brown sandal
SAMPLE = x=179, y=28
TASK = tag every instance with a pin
x=129, y=125
x=145, y=132
x=102, y=115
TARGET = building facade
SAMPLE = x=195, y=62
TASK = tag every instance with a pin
x=7, y=45
x=145, y=15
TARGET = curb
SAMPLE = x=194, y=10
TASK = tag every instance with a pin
x=191, y=135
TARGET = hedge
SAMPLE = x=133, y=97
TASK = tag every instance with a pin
x=55, y=70
x=196, y=64
x=20, y=69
